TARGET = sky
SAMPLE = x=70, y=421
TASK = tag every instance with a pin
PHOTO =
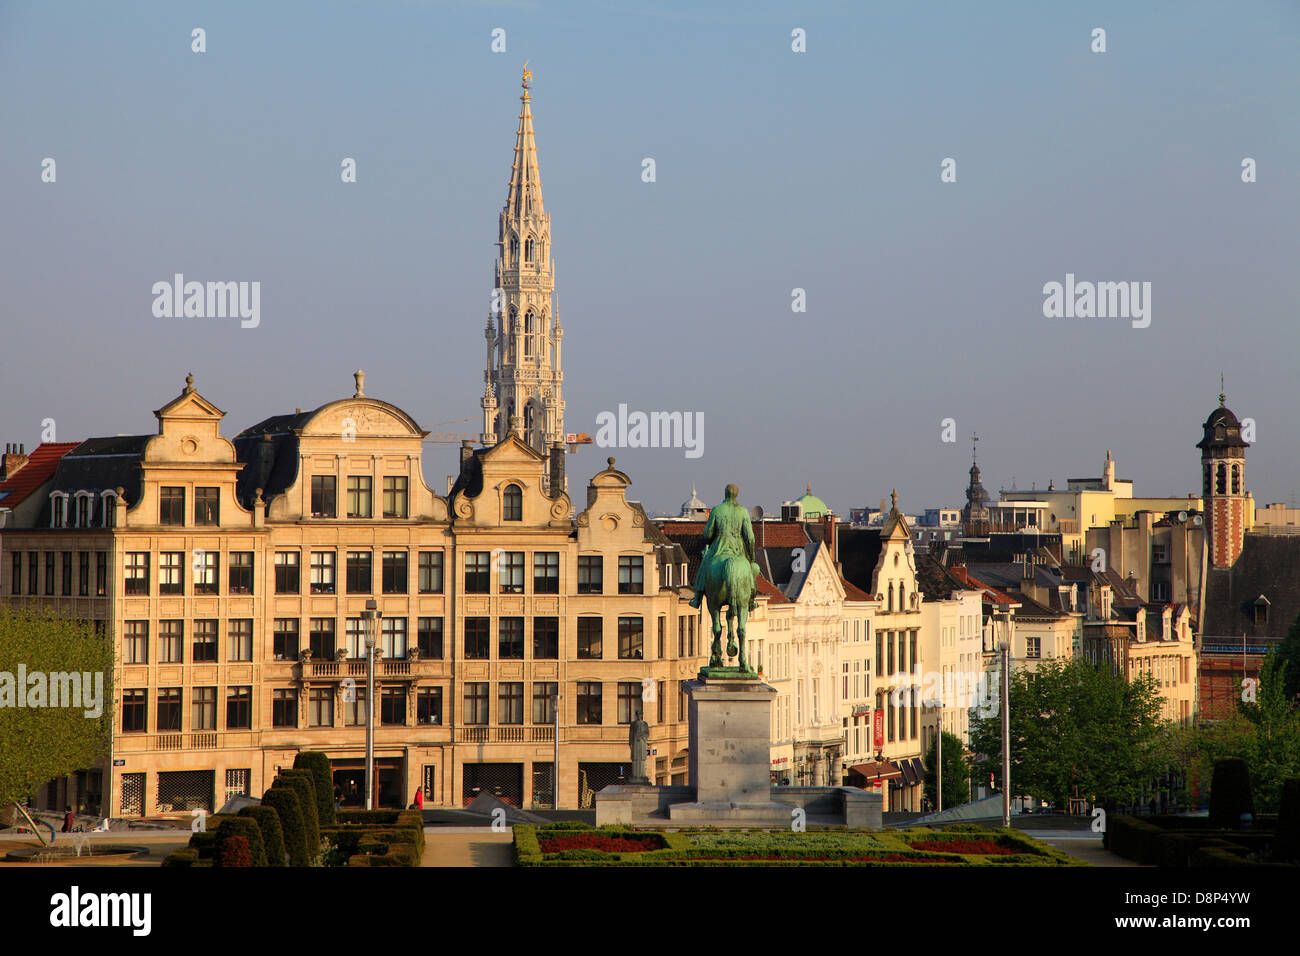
x=775, y=170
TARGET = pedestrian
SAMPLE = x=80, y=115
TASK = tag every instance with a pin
x=68, y=818
x=419, y=798
x=338, y=797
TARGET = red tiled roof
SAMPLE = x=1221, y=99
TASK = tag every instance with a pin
x=38, y=470
x=774, y=595
x=854, y=593
x=767, y=534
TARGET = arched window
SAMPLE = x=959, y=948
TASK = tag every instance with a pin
x=530, y=329
x=528, y=249
x=902, y=603
x=1206, y=483
x=109, y=509
x=85, y=509
x=1236, y=479
x=514, y=248
x=58, y=509
x=1221, y=482
x=891, y=595
x=513, y=503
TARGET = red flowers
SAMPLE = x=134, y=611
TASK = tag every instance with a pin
x=972, y=847
x=606, y=844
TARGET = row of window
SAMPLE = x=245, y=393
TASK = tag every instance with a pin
x=589, y=700
x=894, y=646
x=360, y=496
x=83, y=509
x=392, y=639
x=359, y=572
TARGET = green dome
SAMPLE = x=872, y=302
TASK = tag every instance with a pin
x=813, y=507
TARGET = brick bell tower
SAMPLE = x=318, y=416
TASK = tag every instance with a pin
x=1229, y=510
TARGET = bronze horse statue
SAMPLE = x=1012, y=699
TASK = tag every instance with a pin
x=728, y=577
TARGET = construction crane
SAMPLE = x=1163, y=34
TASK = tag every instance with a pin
x=572, y=439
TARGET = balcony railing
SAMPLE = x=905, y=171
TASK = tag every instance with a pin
x=504, y=735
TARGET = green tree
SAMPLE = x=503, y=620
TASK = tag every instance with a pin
x=1289, y=651
x=40, y=743
x=1273, y=751
x=956, y=772
x=1075, y=729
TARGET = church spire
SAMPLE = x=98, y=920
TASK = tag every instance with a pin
x=525, y=196
x=523, y=335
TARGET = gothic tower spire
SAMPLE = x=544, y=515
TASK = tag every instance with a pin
x=523, y=376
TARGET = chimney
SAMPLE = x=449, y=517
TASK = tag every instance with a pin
x=466, y=450
x=266, y=457
x=14, y=459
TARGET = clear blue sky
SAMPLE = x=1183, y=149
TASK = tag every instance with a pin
x=775, y=170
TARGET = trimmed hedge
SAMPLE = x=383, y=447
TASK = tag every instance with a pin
x=253, y=845
x=284, y=801
x=380, y=837
x=232, y=850
x=304, y=784
x=1230, y=795
x=268, y=821
x=185, y=857
x=322, y=775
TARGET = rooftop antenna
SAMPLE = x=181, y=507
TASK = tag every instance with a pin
x=973, y=439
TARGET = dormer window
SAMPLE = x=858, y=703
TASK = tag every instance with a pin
x=512, y=503
x=85, y=509
x=58, y=509
x=108, y=508
x=1259, y=611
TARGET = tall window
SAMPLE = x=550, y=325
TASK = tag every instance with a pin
x=511, y=573
x=546, y=572
x=393, y=637
x=65, y=569
x=477, y=639
x=590, y=573
x=284, y=707
x=510, y=702
x=631, y=574
x=324, y=496
x=287, y=572
x=239, y=708
x=241, y=639
x=169, y=709
x=528, y=250
x=135, y=642
x=477, y=575
x=322, y=572
x=476, y=703
x=204, y=646
x=206, y=574
x=395, y=572
x=359, y=491
x=355, y=635
x=203, y=715
x=34, y=572
x=135, y=711
x=16, y=570
x=101, y=573
x=430, y=572
x=662, y=625
x=631, y=638
x=320, y=707
x=544, y=701
x=629, y=701
x=136, y=579
x=171, y=642
x=241, y=572
x=171, y=506
x=320, y=638
x=284, y=645
x=589, y=701
x=354, y=710
x=512, y=504
x=392, y=705
x=85, y=510
x=546, y=638
x=428, y=705
x=429, y=637
x=359, y=572
x=171, y=572
x=395, y=496
x=589, y=642
x=510, y=643
x=207, y=506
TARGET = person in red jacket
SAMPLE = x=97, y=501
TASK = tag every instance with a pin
x=419, y=798
x=68, y=818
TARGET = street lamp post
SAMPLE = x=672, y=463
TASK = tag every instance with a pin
x=1006, y=733
x=371, y=615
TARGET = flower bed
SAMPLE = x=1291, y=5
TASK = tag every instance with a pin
x=967, y=846
x=606, y=844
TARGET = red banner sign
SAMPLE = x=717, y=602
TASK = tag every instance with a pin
x=878, y=728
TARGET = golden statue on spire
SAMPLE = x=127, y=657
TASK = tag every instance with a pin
x=528, y=75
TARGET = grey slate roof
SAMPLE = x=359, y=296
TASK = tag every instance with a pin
x=100, y=464
x=1268, y=565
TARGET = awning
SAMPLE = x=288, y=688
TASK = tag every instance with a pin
x=918, y=767
x=909, y=774
x=876, y=770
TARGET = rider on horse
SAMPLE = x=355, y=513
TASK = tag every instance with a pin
x=729, y=534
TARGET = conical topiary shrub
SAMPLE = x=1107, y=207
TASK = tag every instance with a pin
x=319, y=765
x=284, y=801
x=268, y=821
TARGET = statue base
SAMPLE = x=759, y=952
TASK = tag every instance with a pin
x=727, y=672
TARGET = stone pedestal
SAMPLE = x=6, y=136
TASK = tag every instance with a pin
x=730, y=754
